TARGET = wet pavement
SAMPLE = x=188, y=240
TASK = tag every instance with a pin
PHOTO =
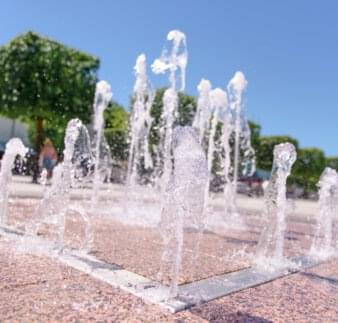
x=38, y=288
x=34, y=288
x=139, y=249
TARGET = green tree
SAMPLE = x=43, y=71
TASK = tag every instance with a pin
x=43, y=80
x=116, y=131
x=255, y=129
x=186, y=112
x=51, y=129
x=308, y=168
x=332, y=162
x=264, y=149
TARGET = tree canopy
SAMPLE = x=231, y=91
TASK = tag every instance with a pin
x=186, y=111
x=332, y=162
x=116, y=130
x=46, y=83
x=264, y=149
x=41, y=79
x=308, y=167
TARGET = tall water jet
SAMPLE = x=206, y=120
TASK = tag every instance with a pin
x=218, y=102
x=55, y=203
x=270, y=246
x=83, y=157
x=140, y=122
x=183, y=198
x=203, y=112
x=219, y=149
x=14, y=147
x=103, y=96
x=236, y=88
x=322, y=244
x=232, y=215
x=176, y=60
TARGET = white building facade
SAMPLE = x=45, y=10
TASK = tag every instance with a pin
x=10, y=128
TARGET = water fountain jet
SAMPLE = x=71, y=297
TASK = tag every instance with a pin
x=236, y=88
x=322, y=244
x=14, y=147
x=140, y=122
x=55, y=204
x=103, y=96
x=270, y=246
x=183, y=199
x=203, y=112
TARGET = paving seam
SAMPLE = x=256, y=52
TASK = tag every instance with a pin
x=190, y=294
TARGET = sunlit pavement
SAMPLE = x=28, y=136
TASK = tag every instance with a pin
x=22, y=186
x=36, y=288
x=39, y=288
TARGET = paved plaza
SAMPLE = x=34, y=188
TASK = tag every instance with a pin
x=37, y=287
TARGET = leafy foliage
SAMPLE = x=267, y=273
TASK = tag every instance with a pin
x=332, y=162
x=186, y=111
x=264, y=149
x=41, y=79
x=308, y=168
x=116, y=131
x=255, y=129
x=52, y=130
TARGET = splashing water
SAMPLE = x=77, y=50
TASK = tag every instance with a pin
x=183, y=198
x=54, y=206
x=174, y=62
x=14, y=147
x=43, y=177
x=170, y=105
x=218, y=103
x=103, y=96
x=236, y=88
x=177, y=59
x=83, y=158
x=202, y=117
x=219, y=147
x=269, y=255
x=322, y=246
x=141, y=121
x=232, y=216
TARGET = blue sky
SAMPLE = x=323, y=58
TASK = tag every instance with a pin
x=287, y=49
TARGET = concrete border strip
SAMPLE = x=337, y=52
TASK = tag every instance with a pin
x=153, y=292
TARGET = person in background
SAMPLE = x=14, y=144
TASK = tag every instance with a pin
x=48, y=157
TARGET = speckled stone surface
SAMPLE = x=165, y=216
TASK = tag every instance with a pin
x=139, y=249
x=310, y=296
x=36, y=288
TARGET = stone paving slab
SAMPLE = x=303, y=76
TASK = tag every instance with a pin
x=154, y=292
x=39, y=289
x=139, y=249
x=114, y=275
x=293, y=298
